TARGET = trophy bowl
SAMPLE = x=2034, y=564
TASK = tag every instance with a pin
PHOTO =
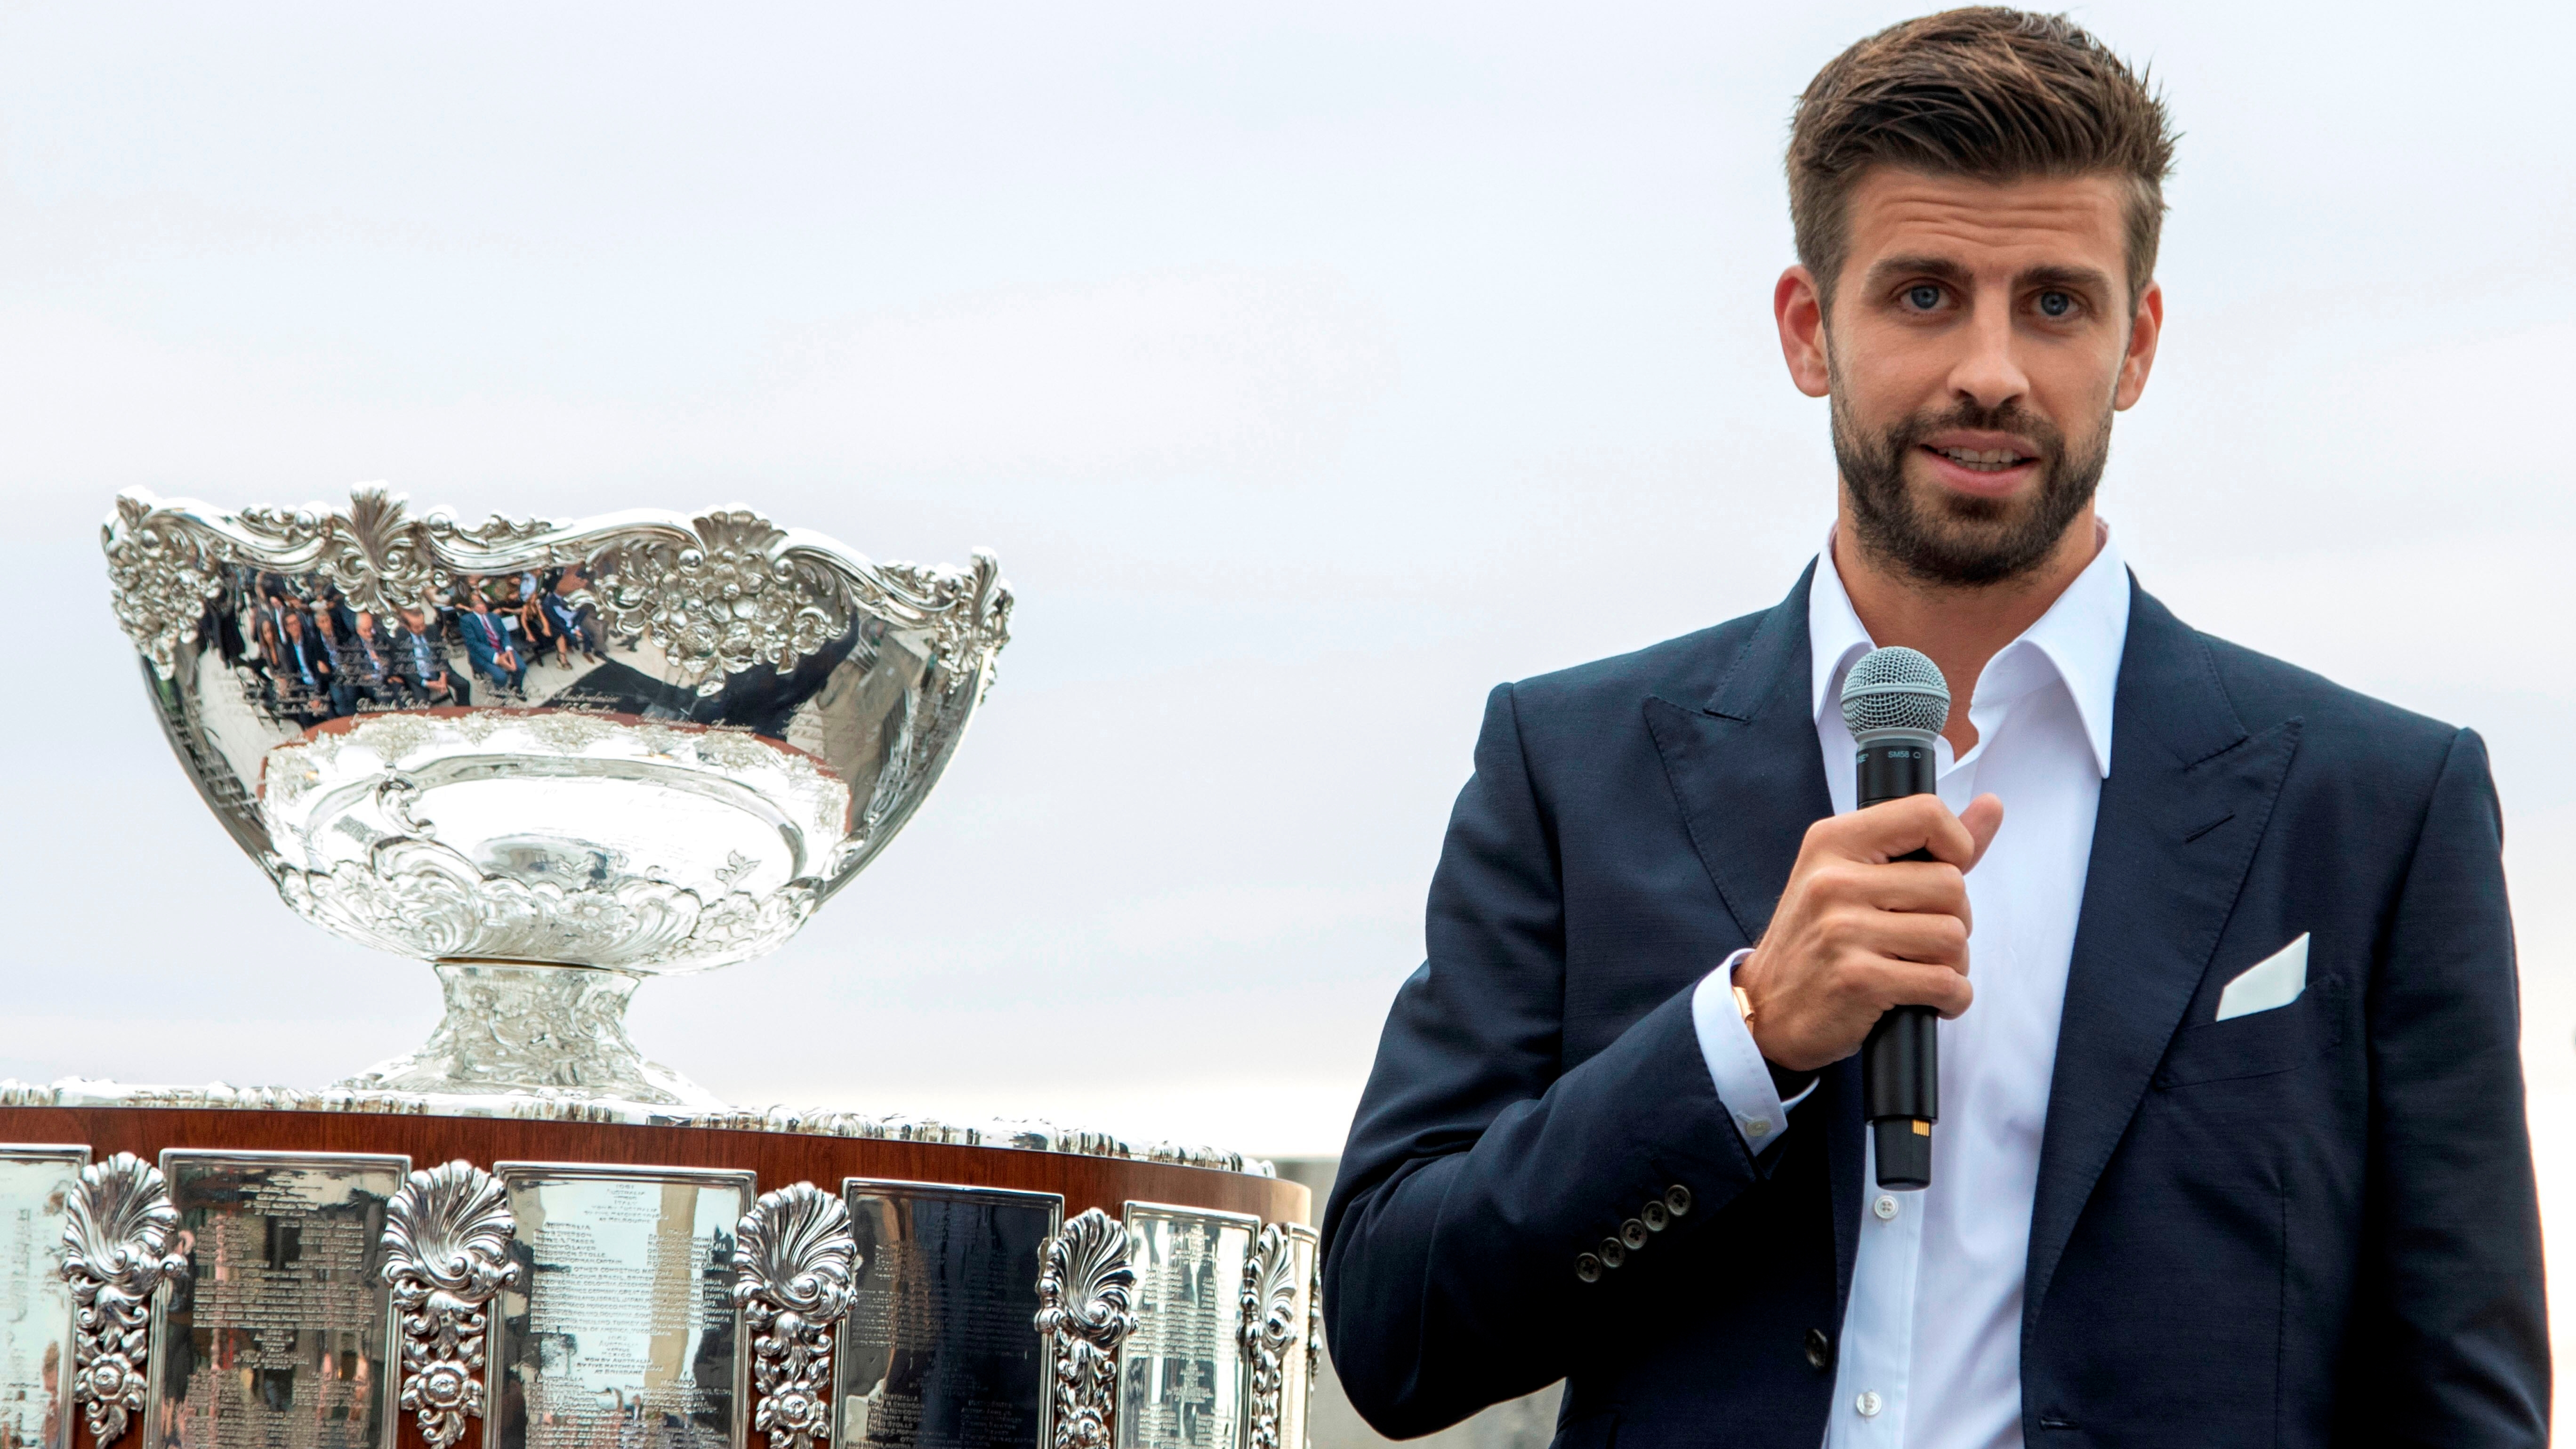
x=550, y=758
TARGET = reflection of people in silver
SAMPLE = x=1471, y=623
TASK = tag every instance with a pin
x=576, y=625
x=487, y=644
x=421, y=666
x=302, y=668
x=363, y=670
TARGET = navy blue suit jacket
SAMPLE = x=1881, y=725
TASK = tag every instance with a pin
x=2312, y=1225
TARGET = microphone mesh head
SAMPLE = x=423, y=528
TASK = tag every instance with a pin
x=1895, y=690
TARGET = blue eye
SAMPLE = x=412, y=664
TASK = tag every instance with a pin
x=1924, y=297
x=2055, y=304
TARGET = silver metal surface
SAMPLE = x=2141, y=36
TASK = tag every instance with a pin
x=118, y=1249
x=37, y=1184
x=793, y=1261
x=447, y=1252
x=1086, y=1309
x=1277, y=1308
x=281, y=1335
x=622, y=1330
x=1182, y=1380
x=639, y=744
x=1314, y=1335
x=938, y=1352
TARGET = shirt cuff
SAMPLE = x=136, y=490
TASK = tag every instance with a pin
x=1735, y=1064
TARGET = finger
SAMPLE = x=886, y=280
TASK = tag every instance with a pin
x=1908, y=886
x=1910, y=983
x=1929, y=938
x=1895, y=828
x=1983, y=817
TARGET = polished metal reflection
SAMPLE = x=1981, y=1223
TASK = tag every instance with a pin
x=636, y=745
x=1277, y=1312
x=621, y=1328
x=281, y=1334
x=120, y=1245
x=447, y=1251
x=794, y=1259
x=1086, y=1309
x=938, y=1351
x=36, y=1188
x=1182, y=1381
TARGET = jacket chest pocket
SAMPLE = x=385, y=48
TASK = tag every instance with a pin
x=2258, y=1044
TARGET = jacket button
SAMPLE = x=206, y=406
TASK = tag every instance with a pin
x=1613, y=1252
x=1587, y=1268
x=1654, y=1216
x=1820, y=1349
x=1677, y=1200
x=1633, y=1233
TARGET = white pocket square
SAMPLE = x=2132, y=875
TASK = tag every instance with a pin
x=2268, y=984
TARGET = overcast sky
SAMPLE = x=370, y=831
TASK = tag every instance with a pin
x=1311, y=369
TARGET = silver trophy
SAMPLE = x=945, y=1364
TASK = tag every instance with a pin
x=553, y=759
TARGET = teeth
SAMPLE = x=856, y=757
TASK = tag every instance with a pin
x=1988, y=460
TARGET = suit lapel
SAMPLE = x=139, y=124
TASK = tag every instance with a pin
x=1749, y=779
x=2186, y=802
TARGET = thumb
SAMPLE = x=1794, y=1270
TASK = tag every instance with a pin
x=1983, y=817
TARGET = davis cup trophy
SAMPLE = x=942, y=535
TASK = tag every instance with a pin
x=552, y=760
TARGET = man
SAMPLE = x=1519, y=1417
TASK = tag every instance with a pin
x=1614, y=1134
x=364, y=664
x=421, y=665
x=487, y=643
x=302, y=671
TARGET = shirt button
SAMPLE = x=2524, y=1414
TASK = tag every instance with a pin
x=1757, y=1126
x=1885, y=1207
x=1869, y=1403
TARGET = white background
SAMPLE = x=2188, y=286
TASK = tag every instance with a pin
x=1312, y=368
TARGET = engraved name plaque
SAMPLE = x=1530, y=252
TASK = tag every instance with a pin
x=621, y=1333
x=940, y=1349
x=35, y=1303
x=280, y=1335
x=1181, y=1374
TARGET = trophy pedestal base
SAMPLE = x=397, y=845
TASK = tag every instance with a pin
x=550, y=1031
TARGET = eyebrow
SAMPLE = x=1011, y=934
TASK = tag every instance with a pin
x=1942, y=269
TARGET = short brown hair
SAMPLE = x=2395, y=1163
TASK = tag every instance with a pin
x=1989, y=93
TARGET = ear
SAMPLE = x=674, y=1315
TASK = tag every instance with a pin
x=2140, y=357
x=1800, y=310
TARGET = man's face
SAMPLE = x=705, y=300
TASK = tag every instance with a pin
x=1981, y=335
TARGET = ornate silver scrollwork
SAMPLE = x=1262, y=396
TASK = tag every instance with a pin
x=116, y=1254
x=1314, y=1327
x=1270, y=1328
x=447, y=1251
x=794, y=1259
x=1087, y=1307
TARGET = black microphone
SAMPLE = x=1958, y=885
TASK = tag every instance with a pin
x=1896, y=703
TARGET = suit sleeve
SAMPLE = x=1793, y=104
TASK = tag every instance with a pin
x=2453, y=1327
x=1479, y=1168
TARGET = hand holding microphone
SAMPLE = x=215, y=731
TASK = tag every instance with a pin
x=1875, y=917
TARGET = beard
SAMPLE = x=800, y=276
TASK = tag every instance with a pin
x=1943, y=538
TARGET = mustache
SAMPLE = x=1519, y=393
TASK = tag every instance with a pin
x=1968, y=415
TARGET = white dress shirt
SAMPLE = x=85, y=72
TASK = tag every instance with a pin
x=1930, y=1354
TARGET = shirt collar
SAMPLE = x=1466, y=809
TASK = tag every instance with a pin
x=2078, y=641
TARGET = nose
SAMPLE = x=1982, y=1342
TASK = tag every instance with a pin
x=1987, y=372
